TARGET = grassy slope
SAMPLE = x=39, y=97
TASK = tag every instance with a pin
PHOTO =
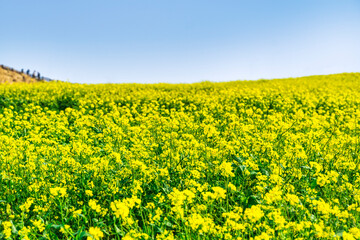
x=13, y=76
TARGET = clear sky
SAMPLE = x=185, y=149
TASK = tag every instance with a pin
x=180, y=41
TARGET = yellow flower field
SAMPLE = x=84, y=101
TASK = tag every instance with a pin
x=275, y=159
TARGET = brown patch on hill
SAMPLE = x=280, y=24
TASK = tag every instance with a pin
x=9, y=75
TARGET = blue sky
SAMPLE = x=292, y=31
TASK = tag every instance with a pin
x=183, y=41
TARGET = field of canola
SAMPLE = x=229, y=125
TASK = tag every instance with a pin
x=274, y=159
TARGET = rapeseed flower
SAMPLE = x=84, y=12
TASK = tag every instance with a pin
x=219, y=193
x=58, y=191
x=95, y=233
x=120, y=209
x=254, y=213
x=39, y=225
x=7, y=228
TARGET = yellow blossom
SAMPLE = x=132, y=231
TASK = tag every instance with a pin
x=7, y=229
x=254, y=213
x=96, y=233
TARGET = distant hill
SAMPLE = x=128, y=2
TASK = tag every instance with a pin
x=10, y=75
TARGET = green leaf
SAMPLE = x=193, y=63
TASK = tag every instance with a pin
x=264, y=172
x=306, y=167
x=81, y=215
x=239, y=159
x=85, y=234
x=117, y=230
x=168, y=223
x=339, y=233
x=56, y=226
x=242, y=168
x=252, y=200
x=13, y=228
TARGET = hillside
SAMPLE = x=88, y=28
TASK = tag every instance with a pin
x=9, y=75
